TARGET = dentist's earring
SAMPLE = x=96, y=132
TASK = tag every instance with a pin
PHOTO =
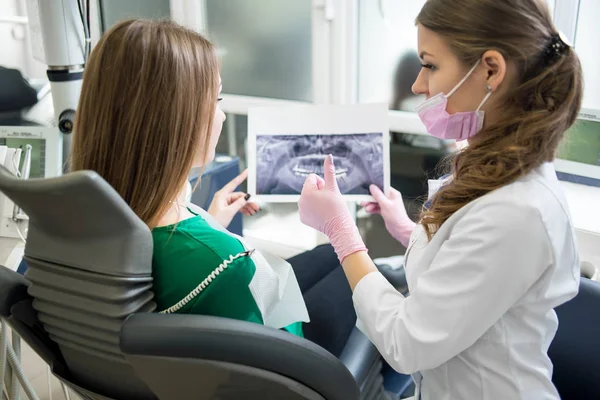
x=488, y=88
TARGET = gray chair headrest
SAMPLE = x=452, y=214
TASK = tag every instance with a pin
x=79, y=220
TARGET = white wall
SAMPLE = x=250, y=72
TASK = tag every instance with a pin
x=14, y=42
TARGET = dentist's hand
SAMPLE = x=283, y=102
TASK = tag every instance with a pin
x=322, y=207
x=392, y=209
x=226, y=203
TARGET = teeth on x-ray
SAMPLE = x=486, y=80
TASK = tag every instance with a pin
x=284, y=161
x=339, y=173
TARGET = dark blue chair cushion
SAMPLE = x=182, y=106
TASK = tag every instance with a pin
x=575, y=351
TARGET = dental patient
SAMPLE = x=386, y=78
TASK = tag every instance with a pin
x=148, y=114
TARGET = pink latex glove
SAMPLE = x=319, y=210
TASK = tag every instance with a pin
x=391, y=208
x=322, y=207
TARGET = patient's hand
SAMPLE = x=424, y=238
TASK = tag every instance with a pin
x=226, y=203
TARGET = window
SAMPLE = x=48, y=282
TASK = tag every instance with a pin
x=265, y=46
x=388, y=59
x=340, y=51
x=113, y=11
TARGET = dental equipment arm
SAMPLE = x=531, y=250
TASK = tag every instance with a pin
x=64, y=32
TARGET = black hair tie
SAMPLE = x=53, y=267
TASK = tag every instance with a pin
x=555, y=49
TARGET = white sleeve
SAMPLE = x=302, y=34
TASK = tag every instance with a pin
x=494, y=254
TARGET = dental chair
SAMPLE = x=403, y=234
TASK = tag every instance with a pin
x=575, y=351
x=85, y=306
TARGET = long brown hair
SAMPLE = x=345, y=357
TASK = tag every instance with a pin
x=146, y=108
x=542, y=105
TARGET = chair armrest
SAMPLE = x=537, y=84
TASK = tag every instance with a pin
x=359, y=356
x=238, y=342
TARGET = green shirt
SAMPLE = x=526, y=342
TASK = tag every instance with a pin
x=185, y=254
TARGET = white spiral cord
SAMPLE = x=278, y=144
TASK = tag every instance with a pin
x=222, y=267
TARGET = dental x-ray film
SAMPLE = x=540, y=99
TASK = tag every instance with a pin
x=285, y=145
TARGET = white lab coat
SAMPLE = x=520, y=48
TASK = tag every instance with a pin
x=479, y=318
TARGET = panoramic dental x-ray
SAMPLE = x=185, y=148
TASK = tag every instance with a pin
x=284, y=161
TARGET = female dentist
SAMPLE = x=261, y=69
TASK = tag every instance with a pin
x=494, y=251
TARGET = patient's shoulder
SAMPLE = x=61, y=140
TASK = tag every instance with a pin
x=195, y=237
x=186, y=253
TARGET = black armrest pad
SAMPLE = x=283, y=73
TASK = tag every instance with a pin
x=239, y=342
x=359, y=355
x=13, y=289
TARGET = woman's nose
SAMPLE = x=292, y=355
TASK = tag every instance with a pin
x=420, y=86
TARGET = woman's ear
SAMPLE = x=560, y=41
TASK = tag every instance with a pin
x=495, y=67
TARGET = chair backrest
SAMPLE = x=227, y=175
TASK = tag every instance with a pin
x=575, y=351
x=90, y=265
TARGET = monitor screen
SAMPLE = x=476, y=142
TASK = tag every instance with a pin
x=578, y=157
x=38, y=154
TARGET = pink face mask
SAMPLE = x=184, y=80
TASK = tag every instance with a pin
x=459, y=126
